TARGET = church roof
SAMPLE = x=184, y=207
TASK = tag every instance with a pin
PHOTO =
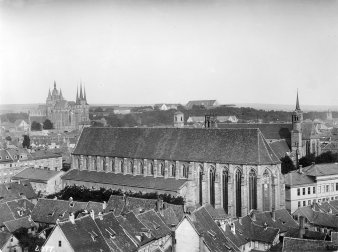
x=159, y=183
x=280, y=148
x=236, y=146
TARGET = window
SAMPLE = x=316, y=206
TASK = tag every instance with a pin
x=151, y=168
x=173, y=170
x=332, y=187
x=298, y=203
x=309, y=190
x=327, y=188
x=60, y=243
x=314, y=190
x=332, y=198
x=336, y=186
x=141, y=168
x=185, y=171
x=162, y=169
x=11, y=239
x=304, y=203
x=309, y=202
x=298, y=191
x=303, y=191
x=323, y=189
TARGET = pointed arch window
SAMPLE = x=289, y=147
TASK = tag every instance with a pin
x=238, y=189
x=162, y=168
x=185, y=171
x=212, y=175
x=151, y=168
x=266, y=191
x=173, y=170
x=141, y=168
x=122, y=166
x=87, y=163
x=252, y=190
x=131, y=166
x=104, y=164
x=225, y=181
x=113, y=164
x=95, y=163
x=200, y=182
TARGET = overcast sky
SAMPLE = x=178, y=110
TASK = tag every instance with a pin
x=152, y=51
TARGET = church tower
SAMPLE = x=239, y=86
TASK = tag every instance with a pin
x=296, y=133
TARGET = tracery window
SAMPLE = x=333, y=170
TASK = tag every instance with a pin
x=225, y=180
x=212, y=174
x=252, y=190
x=238, y=187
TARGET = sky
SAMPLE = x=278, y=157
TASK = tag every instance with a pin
x=172, y=51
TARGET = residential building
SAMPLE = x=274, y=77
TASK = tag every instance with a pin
x=8, y=242
x=22, y=125
x=14, y=191
x=44, y=182
x=308, y=185
x=204, y=103
x=65, y=115
x=201, y=165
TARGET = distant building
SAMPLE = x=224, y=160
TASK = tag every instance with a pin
x=308, y=185
x=178, y=119
x=65, y=115
x=21, y=125
x=204, y=103
x=8, y=242
x=166, y=106
x=43, y=181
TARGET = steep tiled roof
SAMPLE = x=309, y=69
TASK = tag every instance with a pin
x=84, y=235
x=20, y=207
x=283, y=220
x=155, y=223
x=296, y=245
x=271, y=131
x=317, y=217
x=45, y=154
x=169, y=217
x=213, y=236
x=237, y=237
x=321, y=169
x=254, y=232
x=24, y=222
x=135, y=228
x=184, y=144
x=13, y=190
x=114, y=234
x=49, y=210
x=216, y=214
x=159, y=183
x=36, y=175
x=295, y=178
x=5, y=214
x=116, y=204
x=280, y=148
x=4, y=237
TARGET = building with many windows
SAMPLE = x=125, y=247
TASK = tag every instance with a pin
x=315, y=183
x=233, y=169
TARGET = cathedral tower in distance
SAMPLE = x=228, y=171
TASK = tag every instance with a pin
x=296, y=133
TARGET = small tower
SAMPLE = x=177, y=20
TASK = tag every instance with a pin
x=178, y=119
x=329, y=115
x=210, y=121
x=296, y=133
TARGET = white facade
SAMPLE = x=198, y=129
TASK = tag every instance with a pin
x=12, y=245
x=57, y=242
x=187, y=238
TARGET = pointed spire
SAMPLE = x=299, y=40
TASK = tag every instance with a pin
x=49, y=93
x=81, y=96
x=54, y=84
x=297, y=102
x=61, y=94
x=84, y=94
x=77, y=94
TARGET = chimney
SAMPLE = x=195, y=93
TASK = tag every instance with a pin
x=72, y=218
x=100, y=216
x=173, y=237
x=104, y=205
x=301, y=227
x=92, y=214
x=300, y=169
x=70, y=199
x=57, y=221
x=233, y=228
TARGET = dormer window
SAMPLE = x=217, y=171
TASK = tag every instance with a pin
x=7, y=157
x=15, y=156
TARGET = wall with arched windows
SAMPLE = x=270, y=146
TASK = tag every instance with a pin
x=235, y=188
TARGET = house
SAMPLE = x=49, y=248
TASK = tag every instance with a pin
x=311, y=184
x=8, y=242
x=199, y=232
x=24, y=222
x=44, y=182
x=81, y=234
x=47, y=212
x=183, y=162
x=14, y=191
x=204, y=103
x=166, y=106
x=21, y=125
x=122, y=110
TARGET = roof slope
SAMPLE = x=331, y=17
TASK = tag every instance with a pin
x=36, y=175
x=24, y=222
x=159, y=183
x=84, y=235
x=280, y=148
x=4, y=237
x=13, y=190
x=269, y=130
x=213, y=236
x=184, y=144
x=155, y=223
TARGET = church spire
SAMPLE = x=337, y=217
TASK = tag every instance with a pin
x=77, y=94
x=54, y=84
x=81, y=96
x=61, y=98
x=297, y=102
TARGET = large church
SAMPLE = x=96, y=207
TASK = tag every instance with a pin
x=65, y=115
x=232, y=169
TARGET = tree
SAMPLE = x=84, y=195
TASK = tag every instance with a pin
x=327, y=157
x=47, y=124
x=28, y=241
x=287, y=165
x=35, y=126
x=307, y=160
x=26, y=141
x=8, y=138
